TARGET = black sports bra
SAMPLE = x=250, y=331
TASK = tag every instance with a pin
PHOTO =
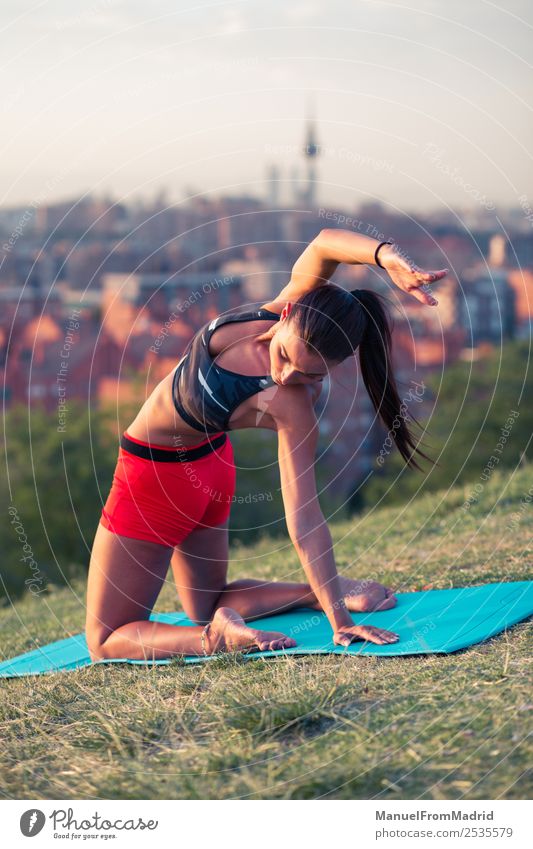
x=205, y=394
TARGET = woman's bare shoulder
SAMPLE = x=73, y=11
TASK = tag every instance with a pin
x=292, y=406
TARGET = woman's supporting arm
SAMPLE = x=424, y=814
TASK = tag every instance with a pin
x=297, y=429
x=315, y=552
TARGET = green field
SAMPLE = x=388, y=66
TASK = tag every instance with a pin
x=435, y=727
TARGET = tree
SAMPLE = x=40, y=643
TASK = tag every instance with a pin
x=482, y=410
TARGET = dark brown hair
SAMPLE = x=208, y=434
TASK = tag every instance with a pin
x=335, y=323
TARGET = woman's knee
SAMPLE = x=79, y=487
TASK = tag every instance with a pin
x=96, y=643
x=97, y=635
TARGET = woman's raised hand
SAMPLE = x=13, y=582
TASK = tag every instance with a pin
x=408, y=276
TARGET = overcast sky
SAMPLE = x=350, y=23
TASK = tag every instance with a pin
x=419, y=104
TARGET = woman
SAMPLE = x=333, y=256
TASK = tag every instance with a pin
x=171, y=494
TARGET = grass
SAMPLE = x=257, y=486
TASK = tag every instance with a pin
x=430, y=727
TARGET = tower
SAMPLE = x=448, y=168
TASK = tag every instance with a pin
x=310, y=151
x=273, y=178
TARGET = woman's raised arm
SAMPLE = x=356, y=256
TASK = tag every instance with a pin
x=317, y=263
x=354, y=249
x=330, y=248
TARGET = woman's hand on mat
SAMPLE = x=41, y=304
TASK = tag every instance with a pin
x=409, y=277
x=364, y=596
x=352, y=633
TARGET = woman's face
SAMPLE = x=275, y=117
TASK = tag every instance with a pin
x=290, y=361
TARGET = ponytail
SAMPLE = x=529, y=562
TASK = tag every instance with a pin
x=336, y=323
x=375, y=358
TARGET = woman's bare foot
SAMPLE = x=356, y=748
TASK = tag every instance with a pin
x=229, y=632
x=362, y=596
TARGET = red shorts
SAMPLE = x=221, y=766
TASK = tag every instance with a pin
x=164, y=494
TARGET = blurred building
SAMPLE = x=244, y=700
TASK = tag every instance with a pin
x=185, y=301
x=261, y=279
x=487, y=300
x=81, y=216
x=143, y=278
x=521, y=281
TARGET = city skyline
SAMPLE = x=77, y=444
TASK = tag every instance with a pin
x=414, y=108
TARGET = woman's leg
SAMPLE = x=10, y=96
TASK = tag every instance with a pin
x=125, y=579
x=254, y=598
x=200, y=565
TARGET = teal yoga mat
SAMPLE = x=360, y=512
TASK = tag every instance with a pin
x=430, y=622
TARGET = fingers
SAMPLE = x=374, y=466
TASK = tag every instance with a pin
x=424, y=297
x=426, y=278
x=430, y=276
x=368, y=633
x=377, y=635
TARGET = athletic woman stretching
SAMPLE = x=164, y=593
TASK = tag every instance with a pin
x=171, y=495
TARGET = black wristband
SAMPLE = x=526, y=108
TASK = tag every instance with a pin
x=376, y=258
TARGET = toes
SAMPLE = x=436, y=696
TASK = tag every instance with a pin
x=276, y=644
x=387, y=603
x=282, y=643
x=287, y=643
